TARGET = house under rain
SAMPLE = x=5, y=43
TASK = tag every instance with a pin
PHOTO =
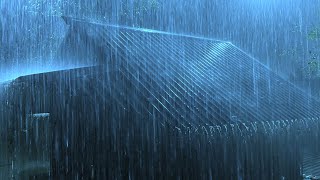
x=156, y=105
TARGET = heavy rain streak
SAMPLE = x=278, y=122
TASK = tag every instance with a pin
x=160, y=89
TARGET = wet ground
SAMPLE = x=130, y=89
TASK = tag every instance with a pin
x=5, y=163
x=21, y=167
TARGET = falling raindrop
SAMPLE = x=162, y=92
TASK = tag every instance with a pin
x=155, y=89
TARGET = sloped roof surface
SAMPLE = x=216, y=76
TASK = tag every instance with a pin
x=197, y=80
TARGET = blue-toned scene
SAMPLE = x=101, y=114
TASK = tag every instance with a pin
x=159, y=89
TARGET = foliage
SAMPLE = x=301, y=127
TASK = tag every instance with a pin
x=314, y=34
x=97, y=9
x=138, y=7
x=313, y=67
x=45, y=7
x=309, y=63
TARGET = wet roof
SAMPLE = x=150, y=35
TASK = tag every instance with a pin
x=206, y=76
x=195, y=80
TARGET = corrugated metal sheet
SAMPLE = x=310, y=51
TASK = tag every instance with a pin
x=311, y=164
x=198, y=81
